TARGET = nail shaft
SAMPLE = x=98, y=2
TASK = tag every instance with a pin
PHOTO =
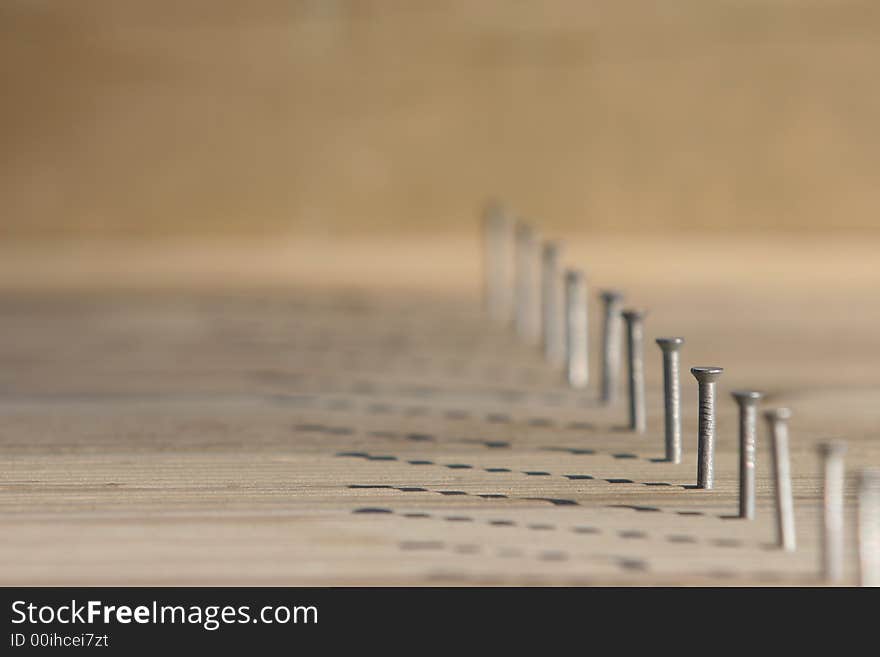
x=672, y=396
x=551, y=304
x=832, y=454
x=747, y=400
x=496, y=263
x=527, y=319
x=576, y=328
x=777, y=420
x=611, y=344
x=706, y=379
x=635, y=369
x=869, y=528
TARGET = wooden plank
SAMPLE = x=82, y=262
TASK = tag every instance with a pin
x=371, y=436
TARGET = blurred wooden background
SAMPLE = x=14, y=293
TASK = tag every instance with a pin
x=126, y=118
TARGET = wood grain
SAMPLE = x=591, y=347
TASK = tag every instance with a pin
x=368, y=434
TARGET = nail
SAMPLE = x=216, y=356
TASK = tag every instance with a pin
x=777, y=421
x=527, y=318
x=706, y=378
x=672, y=396
x=496, y=262
x=612, y=301
x=636, y=368
x=869, y=527
x=576, y=328
x=832, y=510
x=551, y=304
x=747, y=400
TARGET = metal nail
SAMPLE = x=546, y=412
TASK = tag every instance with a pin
x=635, y=331
x=576, y=328
x=527, y=319
x=672, y=396
x=613, y=302
x=832, y=454
x=497, y=237
x=869, y=527
x=777, y=421
x=706, y=378
x=551, y=303
x=747, y=400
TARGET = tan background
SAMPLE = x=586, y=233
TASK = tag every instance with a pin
x=170, y=118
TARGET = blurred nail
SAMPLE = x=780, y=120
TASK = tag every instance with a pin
x=777, y=420
x=869, y=527
x=551, y=304
x=747, y=400
x=832, y=454
x=497, y=238
x=576, y=329
x=612, y=301
x=672, y=396
x=528, y=323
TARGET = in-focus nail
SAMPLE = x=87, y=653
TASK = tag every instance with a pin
x=706, y=379
x=635, y=340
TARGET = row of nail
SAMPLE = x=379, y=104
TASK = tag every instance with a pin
x=525, y=284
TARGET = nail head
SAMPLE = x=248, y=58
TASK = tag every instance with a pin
x=707, y=374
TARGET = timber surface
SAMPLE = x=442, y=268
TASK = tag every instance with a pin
x=361, y=434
